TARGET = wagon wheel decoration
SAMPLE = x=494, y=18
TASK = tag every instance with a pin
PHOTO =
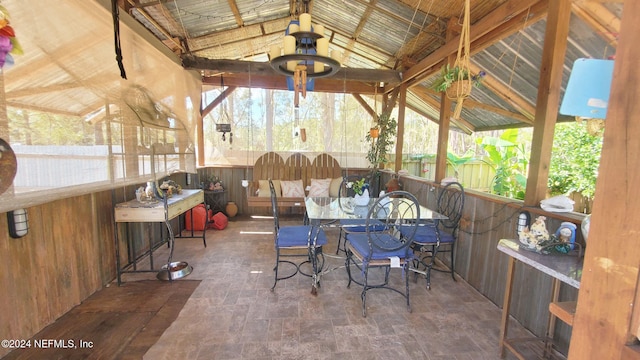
x=8, y=166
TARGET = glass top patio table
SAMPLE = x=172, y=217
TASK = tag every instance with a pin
x=327, y=208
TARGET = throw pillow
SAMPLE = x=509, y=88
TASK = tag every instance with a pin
x=264, y=191
x=292, y=188
x=334, y=188
x=319, y=187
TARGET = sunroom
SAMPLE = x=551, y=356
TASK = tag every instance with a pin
x=100, y=99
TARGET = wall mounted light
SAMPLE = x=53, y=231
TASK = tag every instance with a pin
x=18, y=221
x=524, y=220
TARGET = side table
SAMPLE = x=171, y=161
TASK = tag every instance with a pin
x=217, y=200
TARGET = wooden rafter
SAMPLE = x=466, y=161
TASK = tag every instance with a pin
x=169, y=37
x=236, y=13
x=358, y=30
x=485, y=25
x=217, y=101
x=425, y=95
x=605, y=24
x=526, y=109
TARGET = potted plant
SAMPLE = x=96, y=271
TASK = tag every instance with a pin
x=374, y=131
x=381, y=145
x=361, y=190
x=449, y=75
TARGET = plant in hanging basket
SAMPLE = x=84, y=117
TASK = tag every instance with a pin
x=449, y=76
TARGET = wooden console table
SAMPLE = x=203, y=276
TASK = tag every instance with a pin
x=152, y=212
x=563, y=268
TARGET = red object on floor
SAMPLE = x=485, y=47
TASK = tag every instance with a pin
x=220, y=221
x=199, y=218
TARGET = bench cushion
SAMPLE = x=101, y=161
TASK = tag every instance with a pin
x=334, y=187
x=319, y=187
x=292, y=188
x=264, y=191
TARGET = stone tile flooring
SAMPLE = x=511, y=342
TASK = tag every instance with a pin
x=234, y=315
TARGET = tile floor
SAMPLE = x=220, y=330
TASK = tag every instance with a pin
x=234, y=315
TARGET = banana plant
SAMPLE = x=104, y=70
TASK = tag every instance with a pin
x=509, y=159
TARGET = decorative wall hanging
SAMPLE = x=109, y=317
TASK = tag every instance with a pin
x=8, y=166
x=9, y=44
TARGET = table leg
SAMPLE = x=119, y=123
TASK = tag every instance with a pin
x=506, y=304
x=551, y=325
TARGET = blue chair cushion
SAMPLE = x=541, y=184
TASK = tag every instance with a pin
x=289, y=236
x=427, y=235
x=360, y=243
x=358, y=225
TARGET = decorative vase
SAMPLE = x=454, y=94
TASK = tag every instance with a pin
x=362, y=200
x=374, y=132
x=231, y=209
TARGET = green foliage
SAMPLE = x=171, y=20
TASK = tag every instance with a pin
x=574, y=160
x=358, y=186
x=448, y=75
x=455, y=161
x=509, y=159
x=380, y=147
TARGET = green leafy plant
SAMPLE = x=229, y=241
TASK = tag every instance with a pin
x=448, y=75
x=380, y=146
x=574, y=161
x=509, y=159
x=358, y=186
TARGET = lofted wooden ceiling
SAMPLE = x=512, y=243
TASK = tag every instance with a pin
x=386, y=43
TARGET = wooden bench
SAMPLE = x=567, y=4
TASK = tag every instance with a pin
x=296, y=167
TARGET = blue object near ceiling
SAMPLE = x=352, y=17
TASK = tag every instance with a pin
x=587, y=93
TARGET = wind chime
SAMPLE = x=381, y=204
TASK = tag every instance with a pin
x=460, y=89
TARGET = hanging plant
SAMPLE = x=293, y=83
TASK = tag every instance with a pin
x=374, y=132
x=449, y=75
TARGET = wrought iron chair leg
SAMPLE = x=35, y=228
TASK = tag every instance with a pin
x=347, y=265
x=275, y=269
x=452, y=263
x=405, y=269
x=364, y=292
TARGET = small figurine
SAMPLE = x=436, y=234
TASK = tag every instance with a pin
x=536, y=236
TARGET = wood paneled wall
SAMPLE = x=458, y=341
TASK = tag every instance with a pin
x=487, y=219
x=67, y=255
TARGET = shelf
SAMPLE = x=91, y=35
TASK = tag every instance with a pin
x=564, y=310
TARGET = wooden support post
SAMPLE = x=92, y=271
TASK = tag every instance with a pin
x=602, y=325
x=400, y=135
x=548, y=100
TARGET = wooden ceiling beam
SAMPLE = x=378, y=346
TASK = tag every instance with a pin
x=506, y=29
x=280, y=83
x=526, y=109
x=493, y=20
x=217, y=101
x=424, y=95
x=236, y=13
x=263, y=68
x=365, y=105
x=604, y=23
x=170, y=38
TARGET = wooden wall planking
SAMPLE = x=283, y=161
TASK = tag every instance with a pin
x=487, y=219
x=66, y=256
